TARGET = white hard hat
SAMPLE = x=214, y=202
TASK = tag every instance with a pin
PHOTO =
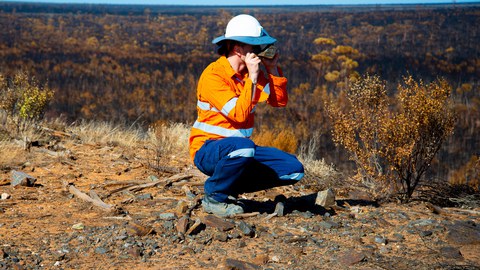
x=246, y=29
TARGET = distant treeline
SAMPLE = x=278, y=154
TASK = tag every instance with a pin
x=125, y=63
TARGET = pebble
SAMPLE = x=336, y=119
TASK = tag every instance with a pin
x=237, y=264
x=220, y=236
x=380, y=240
x=451, y=252
x=78, y=226
x=101, y=250
x=463, y=233
x=325, y=198
x=350, y=257
x=219, y=223
x=329, y=225
x=425, y=233
x=143, y=197
x=246, y=229
x=22, y=179
x=167, y=216
x=5, y=196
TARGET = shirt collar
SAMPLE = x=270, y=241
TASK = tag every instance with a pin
x=228, y=68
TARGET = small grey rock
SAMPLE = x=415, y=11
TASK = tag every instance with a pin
x=246, y=229
x=22, y=179
x=101, y=250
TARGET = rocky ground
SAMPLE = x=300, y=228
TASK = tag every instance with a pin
x=104, y=206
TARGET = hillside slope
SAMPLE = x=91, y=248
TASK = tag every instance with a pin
x=149, y=218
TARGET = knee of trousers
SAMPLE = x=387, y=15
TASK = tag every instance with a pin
x=297, y=171
x=243, y=148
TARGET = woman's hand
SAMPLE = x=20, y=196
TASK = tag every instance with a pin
x=253, y=65
x=271, y=64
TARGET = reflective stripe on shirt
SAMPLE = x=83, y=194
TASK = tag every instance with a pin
x=225, y=132
x=206, y=106
x=229, y=106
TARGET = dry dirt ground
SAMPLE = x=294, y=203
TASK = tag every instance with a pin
x=160, y=225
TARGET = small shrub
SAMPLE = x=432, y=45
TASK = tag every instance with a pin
x=392, y=143
x=22, y=96
x=22, y=103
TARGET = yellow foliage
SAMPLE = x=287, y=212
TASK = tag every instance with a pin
x=324, y=41
x=283, y=139
x=392, y=147
x=469, y=174
x=24, y=97
x=332, y=76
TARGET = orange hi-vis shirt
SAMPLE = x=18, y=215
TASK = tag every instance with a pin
x=226, y=102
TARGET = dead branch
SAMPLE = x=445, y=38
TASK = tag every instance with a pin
x=246, y=215
x=166, y=182
x=95, y=200
x=473, y=212
x=56, y=132
x=192, y=184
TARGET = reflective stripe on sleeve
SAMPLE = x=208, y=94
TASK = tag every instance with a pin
x=206, y=106
x=225, y=132
x=229, y=106
x=293, y=176
x=245, y=152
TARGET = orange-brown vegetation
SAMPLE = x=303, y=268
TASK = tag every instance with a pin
x=393, y=141
x=141, y=63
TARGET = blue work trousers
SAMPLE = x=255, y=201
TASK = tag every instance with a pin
x=236, y=165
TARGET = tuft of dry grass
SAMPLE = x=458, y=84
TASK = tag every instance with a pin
x=318, y=174
x=170, y=139
x=109, y=133
x=12, y=155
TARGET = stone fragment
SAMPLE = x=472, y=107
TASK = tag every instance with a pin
x=425, y=233
x=463, y=233
x=237, y=264
x=167, y=216
x=380, y=240
x=135, y=251
x=279, y=209
x=451, y=253
x=221, y=236
x=217, y=222
x=328, y=225
x=471, y=253
x=325, y=198
x=101, y=250
x=350, y=257
x=182, y=224
x=196, y=227
x=143, y=197
x=246, y=229
x=181, y=208
x=22, y=179
x=135, y=228
x=260, y=259
x=5, y=196
x=78, y=226
x=152, y=178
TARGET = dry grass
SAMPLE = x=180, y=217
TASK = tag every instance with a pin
x=96, y=132
x=170, y=139
x=318, y=174
x=12, y=155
